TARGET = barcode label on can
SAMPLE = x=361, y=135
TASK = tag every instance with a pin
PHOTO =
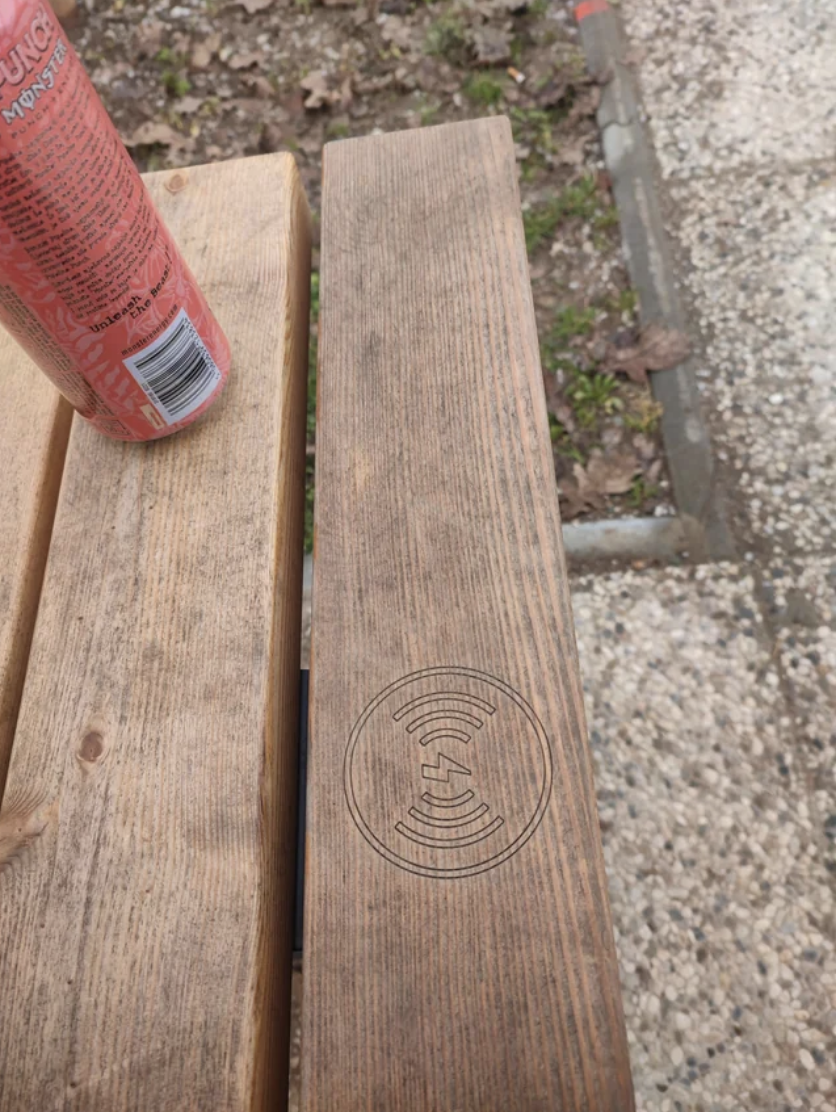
x=176, y=371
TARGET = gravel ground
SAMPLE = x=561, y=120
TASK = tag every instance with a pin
x=715, y=840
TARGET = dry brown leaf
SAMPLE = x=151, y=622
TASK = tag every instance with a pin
x=187, y=106
x=566, y=415
x=491, y=46
x=367, y=85
x=577, y=495
x=653, y=472
x=553, y=92
x=573, y=154
x=658, y=349
x=613, y=473
x=204, y=52
x=611, y=437
x=585, y=105
x=150, y=134
x=245, y=60
x=260, y=86
x=148, y=38
x=201, y=57
x=603, y=182
x=319, y=93
x=572, y=503
x=398, y=32
x=644, y=446
x=245, y=106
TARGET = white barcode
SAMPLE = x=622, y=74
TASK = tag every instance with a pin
x=176, y=371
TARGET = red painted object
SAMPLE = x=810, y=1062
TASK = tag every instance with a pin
x=590, y=7
x=91, y=282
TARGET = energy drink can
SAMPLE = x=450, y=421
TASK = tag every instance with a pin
x=91, y=283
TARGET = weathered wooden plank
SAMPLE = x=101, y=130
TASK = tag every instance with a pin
x=458, y=947
x=147, y=833
x=34, y=427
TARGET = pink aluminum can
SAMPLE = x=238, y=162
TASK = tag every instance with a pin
x=91, y=283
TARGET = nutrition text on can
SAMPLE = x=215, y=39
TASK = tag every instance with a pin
x=91, y=282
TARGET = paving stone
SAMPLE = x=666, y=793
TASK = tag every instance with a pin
x=734, y=85
x=723, y=904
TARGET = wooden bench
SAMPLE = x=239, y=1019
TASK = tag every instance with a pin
x=458, y=944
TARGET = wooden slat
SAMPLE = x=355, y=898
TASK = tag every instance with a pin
x=34, y=427
x=147, y=834
x=447, y=967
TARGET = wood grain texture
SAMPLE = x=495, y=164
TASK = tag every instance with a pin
x=461, y=964
x=34, y=427
x=147, y=832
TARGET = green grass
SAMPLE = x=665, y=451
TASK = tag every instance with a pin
x=570, y=322
x=533, y=125
x=579, y=200
x=570, y=451
x=626, y=302
x=556, y=355
x=176, y=84
x=337, y=129
x=593, y=396
x=446, y=38
x=483, y=89
x=640, y=491
x=645, y=416
x=428, y=114
x=313, y=352
x=607, y=218
x=540, y=223
x=562, y=442
x=174, y=79
x=602, y=222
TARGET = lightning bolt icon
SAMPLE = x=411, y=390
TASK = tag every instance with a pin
x=440, y=771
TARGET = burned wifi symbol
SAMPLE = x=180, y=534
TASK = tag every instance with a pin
x=450, y=815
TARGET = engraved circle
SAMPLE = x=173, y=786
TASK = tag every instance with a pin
x=448, y=772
